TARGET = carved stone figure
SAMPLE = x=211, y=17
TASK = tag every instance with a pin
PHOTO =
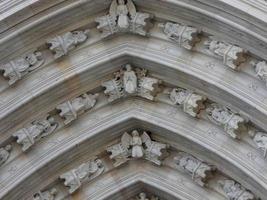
x=136, y=146
x=144, y=196
x=235, y=191
x=38, y=129
x=18, y=68
x=71, y=109
x=129, y=82
x=192, y=103
x=232, y=122
x=185, y=36
x=62, y=45
x=233, y=56
x=199, y=171
x=85, y=172
x=261, y=70
x=46, y=195
x=123, y=17
x=260, y=140
x=4, y=154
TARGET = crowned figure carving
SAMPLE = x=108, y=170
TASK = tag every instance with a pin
x=144, y=196
x=74, y=178
x=63, y=44
x=185, y=36
x=135, y=146
x=123, y=17
x=70, y=110
x=5, y=153
x=192, y=103
x=129, y=82
x=199, y=170
x=233, y=56
x=260, y=139
x=223, y=116
x=261, y=70
x=46, y=195
x=38, y=129
x=15, y=69
x=235, y=191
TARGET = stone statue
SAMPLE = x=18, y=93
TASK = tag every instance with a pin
x=135, y=146
x=129, y=82
x=232, y=122
x=38, y=129
x=261, y=70
x=233, y=56
x=235, y=191
x=71, y=109
x=85, y=172
x=123, y=17
x=185, y=36
x=62, y=45
x=18, y=68
x=260, y=139
x=4, y=154
x=199, y=171
x=192, y=103
x=144, y=196
x=46, y=195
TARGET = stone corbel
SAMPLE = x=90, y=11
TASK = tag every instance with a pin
x=136, y=146
x=232, y=55
x=200, y=171
x=63, y=44
x=74, y=178
x=16, y=69
x=185, y=36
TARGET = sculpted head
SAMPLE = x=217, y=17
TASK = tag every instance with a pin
x=128, y=67
x=135, y=133
x=121, y=2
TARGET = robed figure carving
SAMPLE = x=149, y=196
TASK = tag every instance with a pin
x=123, y=17
x=130, y=80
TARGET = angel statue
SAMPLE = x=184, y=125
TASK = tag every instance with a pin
x=122, y=17
x=130, y=80
x=136, y=146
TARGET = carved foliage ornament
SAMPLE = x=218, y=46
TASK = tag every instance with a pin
x=199, y=171
x=135, y=146
x=260, y=139
x=192, y=103
x=233, y=56
x=61, y=45
x=85, y=172
x=123, y=17
x=4, y=154
x=17, y=68
x=235, y=191
x=144, y=196
x=223, y=116
x=70, y=110
x=46, y=195
x=129, y=82
x=261, y=70
x=38, y=129
x=185, y=36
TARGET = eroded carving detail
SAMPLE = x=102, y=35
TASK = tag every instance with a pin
x=123, y=17
x=233, y=56
x=38, y=129
x=135, y=146
x=260, y=139
x=199, y=171
x=261, y=70
x=46, y=195
x=18, y=68
x=192, y=103
x=71, y=109
x=223, y=116
x=144, y=196
x=129, y=82
x=61, y=45
x=185, y=36
x=85, y=172
x=235, y=191
x=4, y=154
